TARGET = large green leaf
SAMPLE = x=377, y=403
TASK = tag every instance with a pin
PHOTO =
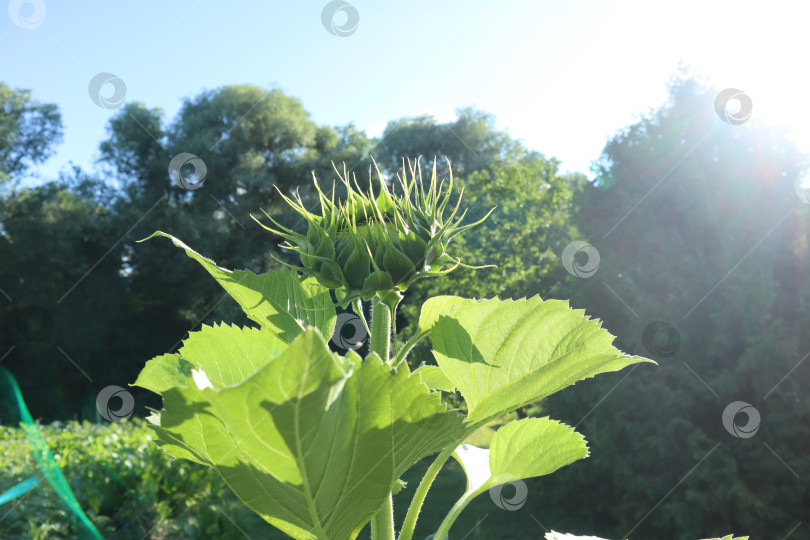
x=522, y=449
x=279, y=301
x=503, y=354
x=312, y=441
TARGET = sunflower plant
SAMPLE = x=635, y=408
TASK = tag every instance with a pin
x=315, y=441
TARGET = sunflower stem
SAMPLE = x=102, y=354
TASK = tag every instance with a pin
x=382, y=524
x=421, y=492
x=380, y=328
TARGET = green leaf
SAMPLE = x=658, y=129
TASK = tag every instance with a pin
x=504, y=354
x=533, y=447
x=212, y=350
x=280, y=301
x=521, y=449
x=434, y=308
x=312, y=441
x=229, y=355
x=164, y=372
x=435, y=378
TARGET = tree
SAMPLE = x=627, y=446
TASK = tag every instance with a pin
x=253, y=143
x=471, y=142
x=703, y=245
x=97, y=299
x=52, y=236
x=28, y=132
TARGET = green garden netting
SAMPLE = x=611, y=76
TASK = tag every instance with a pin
x=48, y=468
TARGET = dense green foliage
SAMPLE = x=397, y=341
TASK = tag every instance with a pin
x=28, y=132
x=125, y=483
x=718, y=250
x=130, y=488
x=78, y=289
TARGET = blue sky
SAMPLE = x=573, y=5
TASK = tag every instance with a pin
x=561, y=76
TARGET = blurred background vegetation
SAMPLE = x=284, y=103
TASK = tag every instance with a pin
x=718, y=250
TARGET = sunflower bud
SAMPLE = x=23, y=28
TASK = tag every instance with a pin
x=372, y=243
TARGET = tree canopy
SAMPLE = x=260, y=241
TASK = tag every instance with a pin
x=28, y=132
x=703, y=247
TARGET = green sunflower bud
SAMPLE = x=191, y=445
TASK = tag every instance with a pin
x=371, y=243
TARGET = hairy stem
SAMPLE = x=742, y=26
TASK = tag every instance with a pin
x=421, y=492
x=382, y=524
x=380, y=329
x=451, y=517
x=406, y=348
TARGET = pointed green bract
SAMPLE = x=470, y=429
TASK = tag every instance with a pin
x=312, y=441
x=503, y=354
x=280, y=301
x=376, y=281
